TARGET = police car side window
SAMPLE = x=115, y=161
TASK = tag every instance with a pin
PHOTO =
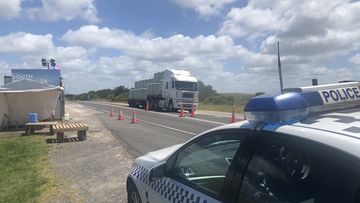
x=203, y=164
x=299, y=172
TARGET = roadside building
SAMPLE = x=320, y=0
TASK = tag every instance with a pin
x=45, y=76
x=22, y=97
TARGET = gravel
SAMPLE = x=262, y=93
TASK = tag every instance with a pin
x=94, y=170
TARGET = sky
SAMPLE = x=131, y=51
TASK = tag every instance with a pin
x=228, y=44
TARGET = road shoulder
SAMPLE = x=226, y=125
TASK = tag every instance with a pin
x=96, y=169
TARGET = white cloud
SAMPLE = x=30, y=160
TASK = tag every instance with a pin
x=333, y=23
x=31, y=48
x=355, y=59
x=205, y=8
x=173, y=48
x=301, y=75
x=54, y=10
x=204, y=56
x=10, y=9
x=25, y=43
x=289, y=18
x=28, y=45
x=248, y=21
x=93, y=36
x=104, y=72
x=333, y=43
x=207, y=57
x=217, y=60
x=312, y=35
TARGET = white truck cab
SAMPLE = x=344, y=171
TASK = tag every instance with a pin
x=180, y=90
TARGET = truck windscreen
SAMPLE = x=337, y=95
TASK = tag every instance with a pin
x=190, y=86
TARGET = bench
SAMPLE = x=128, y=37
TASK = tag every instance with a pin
x=30, y=127
x=81, y=129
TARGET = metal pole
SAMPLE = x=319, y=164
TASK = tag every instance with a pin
x=279, y=65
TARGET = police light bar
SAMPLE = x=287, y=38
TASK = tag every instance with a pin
x=276, y=109
x=297, y=105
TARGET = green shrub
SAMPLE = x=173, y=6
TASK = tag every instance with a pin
x=219, y=100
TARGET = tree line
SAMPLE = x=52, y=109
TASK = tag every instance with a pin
x=119, y=94
x=207, y=94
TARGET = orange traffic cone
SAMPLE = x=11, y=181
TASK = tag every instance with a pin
x=233, y=118
x=133, y=120
x=182, y=114
x=193, y=111
x=120, y=117
x=147, y=105
x=112, y=113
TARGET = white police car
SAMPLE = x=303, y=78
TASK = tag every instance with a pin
x=301, y=146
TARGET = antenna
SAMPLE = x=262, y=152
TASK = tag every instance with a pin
x=279, y=66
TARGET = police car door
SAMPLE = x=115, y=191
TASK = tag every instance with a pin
x=288, y=168
x=198, y=172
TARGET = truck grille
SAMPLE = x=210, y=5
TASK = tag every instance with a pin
x=188, y=95
x=187, y=105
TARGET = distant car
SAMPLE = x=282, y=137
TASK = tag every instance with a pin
x=301, y=146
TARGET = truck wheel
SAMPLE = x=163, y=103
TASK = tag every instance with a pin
x=143, y=105
x=170, y=106
x=151, y=104
x=155, y=105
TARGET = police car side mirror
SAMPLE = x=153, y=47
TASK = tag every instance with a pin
x=157, y=171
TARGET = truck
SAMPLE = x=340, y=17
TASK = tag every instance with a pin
x=171, y=90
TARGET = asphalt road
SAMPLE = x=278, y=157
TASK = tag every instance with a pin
x=155, y=130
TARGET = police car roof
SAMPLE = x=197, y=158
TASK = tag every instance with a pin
x=328, y=113
x=339, y=129
x=344, y=122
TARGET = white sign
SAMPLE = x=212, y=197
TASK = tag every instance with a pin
x=340, y=95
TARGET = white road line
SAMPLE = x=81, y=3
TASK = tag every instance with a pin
x=165, y=114
x=167, y=127
x=199, y=119
x=159, y=125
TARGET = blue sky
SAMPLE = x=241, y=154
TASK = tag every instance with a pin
x=229, y=44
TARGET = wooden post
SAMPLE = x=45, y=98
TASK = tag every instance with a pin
x=81, y=135
x=60, y=136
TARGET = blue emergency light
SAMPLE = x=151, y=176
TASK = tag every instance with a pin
x=295, y=106
x=276, y=109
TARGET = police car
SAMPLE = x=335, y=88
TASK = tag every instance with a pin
x=300, y=146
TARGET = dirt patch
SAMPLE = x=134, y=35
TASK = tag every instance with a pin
x=94, y=170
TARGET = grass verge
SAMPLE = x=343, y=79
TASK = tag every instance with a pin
x=222, y=108
x=24, y=169
x=240, y=101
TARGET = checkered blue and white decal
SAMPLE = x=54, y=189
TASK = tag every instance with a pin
x=170, y=190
